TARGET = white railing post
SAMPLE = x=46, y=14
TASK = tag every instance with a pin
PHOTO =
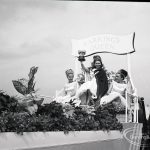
x=126, y=113
x=137, y=108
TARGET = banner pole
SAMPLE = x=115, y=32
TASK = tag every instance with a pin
x=129, y=74
x=135, y=91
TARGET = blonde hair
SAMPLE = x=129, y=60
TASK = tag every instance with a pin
x=69, y=71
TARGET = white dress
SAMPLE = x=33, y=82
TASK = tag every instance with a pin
x=119, y=87
x=67, y=93
x=89, y=85
x=118, y=90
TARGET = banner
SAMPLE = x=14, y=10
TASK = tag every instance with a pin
x=105, y=43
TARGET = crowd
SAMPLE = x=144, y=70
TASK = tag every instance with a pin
x=98, y=88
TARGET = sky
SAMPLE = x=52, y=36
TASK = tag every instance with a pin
x=39, y=33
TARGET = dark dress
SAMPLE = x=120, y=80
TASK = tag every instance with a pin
x=102, y=82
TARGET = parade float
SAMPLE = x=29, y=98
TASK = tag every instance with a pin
x=27, y=123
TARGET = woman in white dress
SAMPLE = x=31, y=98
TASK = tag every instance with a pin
x=117, y=88
x=69, y=90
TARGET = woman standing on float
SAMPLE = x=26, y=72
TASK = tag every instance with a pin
x=98, y=85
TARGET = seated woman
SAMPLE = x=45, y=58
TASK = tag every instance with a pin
x=117, y=88
x=98, y=85
x=79, y=81
x=69, y=89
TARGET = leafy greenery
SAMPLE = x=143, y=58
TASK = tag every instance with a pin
x=51, y=117
x=9, y=104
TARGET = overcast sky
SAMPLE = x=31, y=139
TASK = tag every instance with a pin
x=39, y=33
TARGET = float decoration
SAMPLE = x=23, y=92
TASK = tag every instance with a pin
x=26, y=87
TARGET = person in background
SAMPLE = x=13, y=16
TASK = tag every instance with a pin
x=80, y=79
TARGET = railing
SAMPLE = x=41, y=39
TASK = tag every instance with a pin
x=134, y=108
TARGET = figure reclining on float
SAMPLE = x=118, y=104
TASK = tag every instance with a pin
x=118, y=88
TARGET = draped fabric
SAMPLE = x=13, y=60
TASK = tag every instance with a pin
x=102, y=82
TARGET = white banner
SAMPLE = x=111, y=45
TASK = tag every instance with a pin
x=105, y=43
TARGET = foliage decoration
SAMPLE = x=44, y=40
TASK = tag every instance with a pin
x=10, y=104
x=52, y=117
x=26, y=86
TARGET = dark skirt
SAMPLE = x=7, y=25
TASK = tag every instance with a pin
x=102, y=82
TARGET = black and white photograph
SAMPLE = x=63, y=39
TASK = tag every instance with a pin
x=74, y=75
